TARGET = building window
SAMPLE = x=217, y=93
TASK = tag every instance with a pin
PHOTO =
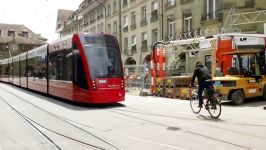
x=92, y=17
x=133, y=21
x=144, y=37
x=125, y=26
x=133, y=44
x=11, y=33
x=25, y=34
x=154, y=35
x=126, y=45
x=124, y=2
x=98, y=28
x=154, y=6
x=115, y=7
x=154, y=13
x=108, y=10
x=171, y=27
x=115, y=27
x=171, y=3
x=85, y=20
x=102, y=26
x=187, y=22
x=212, y=9
x=133, y=40
x=109, y=28
x=143, y=16
x=99, y=13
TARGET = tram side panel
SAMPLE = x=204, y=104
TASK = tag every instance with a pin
x=36, y=68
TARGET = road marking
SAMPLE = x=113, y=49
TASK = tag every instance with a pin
x=151, y=142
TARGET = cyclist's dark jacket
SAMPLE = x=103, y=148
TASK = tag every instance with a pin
x=201, y=73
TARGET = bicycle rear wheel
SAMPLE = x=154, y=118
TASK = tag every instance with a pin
x=215, y=112
x=194, y=103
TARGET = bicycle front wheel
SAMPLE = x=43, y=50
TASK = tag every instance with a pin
x=194, y=104
x=215, y=109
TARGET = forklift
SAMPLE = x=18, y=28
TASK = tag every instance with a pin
x=246, y=77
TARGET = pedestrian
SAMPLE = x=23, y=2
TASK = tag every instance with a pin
x=202, y=74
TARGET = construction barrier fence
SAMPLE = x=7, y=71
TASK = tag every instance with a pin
x=137, y=77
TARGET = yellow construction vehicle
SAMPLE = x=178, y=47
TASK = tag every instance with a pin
x=246, y=77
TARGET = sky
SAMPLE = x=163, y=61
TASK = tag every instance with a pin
x=37, y=15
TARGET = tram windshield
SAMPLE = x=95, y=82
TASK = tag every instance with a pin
x=104, y=60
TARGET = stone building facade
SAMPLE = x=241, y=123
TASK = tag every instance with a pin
x=137, y=24
x=16, y=39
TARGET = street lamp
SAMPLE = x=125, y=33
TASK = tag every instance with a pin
x=101, y=4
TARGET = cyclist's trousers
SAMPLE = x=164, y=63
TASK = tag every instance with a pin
x=204, y=85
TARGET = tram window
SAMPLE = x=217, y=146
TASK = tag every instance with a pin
x=68, y=66
x=60, y=65
x=41, y=66
x=10, y=69
x=79, y=72
x=6, y=71
x=31, y=67
x=16, y=69
x=23, y=72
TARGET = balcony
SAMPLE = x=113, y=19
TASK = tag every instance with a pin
x=143, y=22
x=133, y=26
x=217, y=15
x=144, y=46
x=154, y=16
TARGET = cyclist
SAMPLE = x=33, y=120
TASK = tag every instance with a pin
x=203, y=76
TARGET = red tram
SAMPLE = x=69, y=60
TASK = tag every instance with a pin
x=82, y=67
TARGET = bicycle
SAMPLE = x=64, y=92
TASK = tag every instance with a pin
x=214, y=109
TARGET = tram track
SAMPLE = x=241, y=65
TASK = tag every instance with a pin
x=184, y=131
x=28, y=121
x=185, y=118
x=32, y=122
